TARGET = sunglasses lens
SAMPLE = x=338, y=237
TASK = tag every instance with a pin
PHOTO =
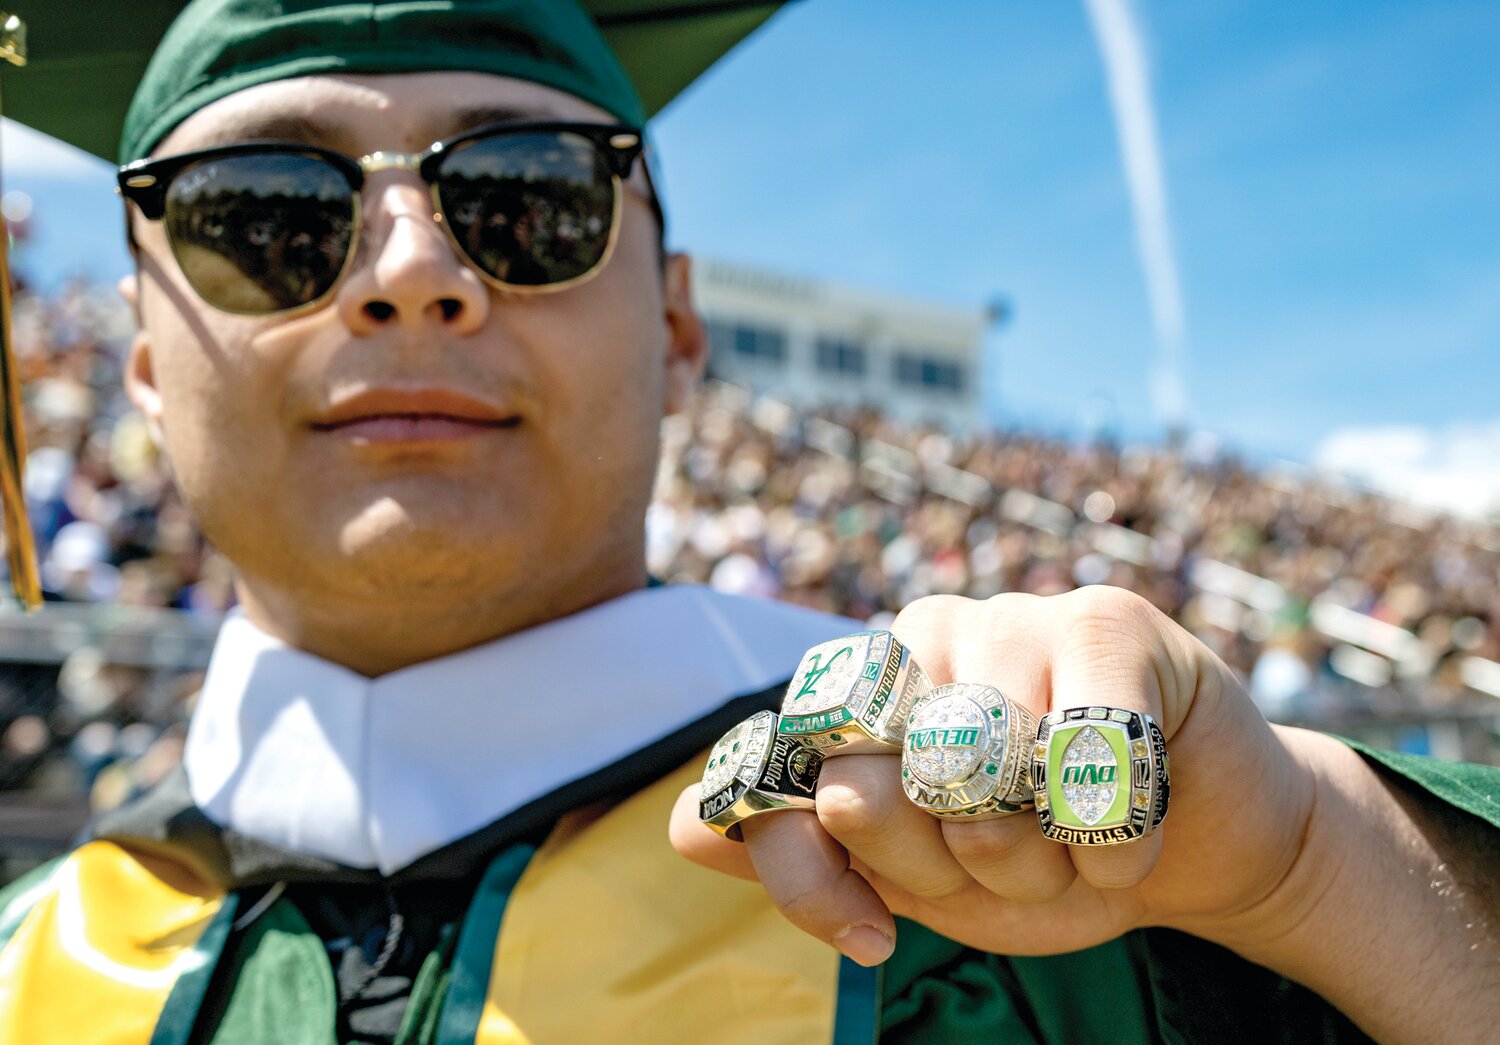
x=260, y=233
x=530, y=209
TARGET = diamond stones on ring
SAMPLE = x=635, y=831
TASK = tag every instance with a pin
x=754, y=769
x=1101, y=775
x=853, y=694
x=966, y=753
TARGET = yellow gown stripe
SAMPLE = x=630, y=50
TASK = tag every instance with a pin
x=604, y=934
x=101, y=949
x=25, y=892
x=610, y=935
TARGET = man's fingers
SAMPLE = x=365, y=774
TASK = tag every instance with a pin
x=861, y=804
x=1116, y=866
x=1010, y=858
x=702, y=844
x=1112, y=655
x=807, y=875
x=1006, y=647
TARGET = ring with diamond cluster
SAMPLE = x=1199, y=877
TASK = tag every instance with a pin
x=752, y=770
x=853, y=694
x=966, y=753
x=1101, y=776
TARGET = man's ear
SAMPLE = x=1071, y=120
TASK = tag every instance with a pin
x=129, y=289
x=140, y=376
x=687, y=342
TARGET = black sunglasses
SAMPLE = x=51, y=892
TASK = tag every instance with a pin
x=267, y=227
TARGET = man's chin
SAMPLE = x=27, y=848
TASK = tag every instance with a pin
x=432, y=518
x=414, y=561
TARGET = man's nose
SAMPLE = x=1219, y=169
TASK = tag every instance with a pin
x=408, y=273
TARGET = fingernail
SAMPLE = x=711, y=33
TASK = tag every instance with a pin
x=864, y=944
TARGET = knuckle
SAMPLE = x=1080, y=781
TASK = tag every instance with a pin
x=1005, y=609
x=1100, y=618
x=803, y=907
x=1103, y=602
x=929, y=613
x=967, y=844
x=1114, y=871
x=1018, y=870
x=978, y=849
x=846, y=812
x=1013, y=621
x=808, y=907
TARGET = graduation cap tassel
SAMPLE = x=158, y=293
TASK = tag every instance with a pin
x=20, y=547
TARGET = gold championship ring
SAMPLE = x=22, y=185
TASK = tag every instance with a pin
x=1101, y=776
x=853, y=694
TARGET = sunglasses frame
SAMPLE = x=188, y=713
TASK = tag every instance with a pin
x=146, y=183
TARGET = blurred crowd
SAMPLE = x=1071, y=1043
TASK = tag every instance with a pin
x=110, y=529
x=109, y=524
x=843, y=511
x=1280, y=573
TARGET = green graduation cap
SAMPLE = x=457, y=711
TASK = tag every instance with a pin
x=88, y=56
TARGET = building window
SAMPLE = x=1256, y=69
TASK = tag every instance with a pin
x=840, y=357
x=760, y=343
x=720, y=338
x=936, y=374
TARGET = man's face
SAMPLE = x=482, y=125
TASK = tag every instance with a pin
x=292, y=439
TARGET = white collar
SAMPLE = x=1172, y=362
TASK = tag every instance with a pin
x=308, y=755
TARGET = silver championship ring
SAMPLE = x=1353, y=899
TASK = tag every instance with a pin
x=1100, y=775
x=966, y=753
x=853, y=694
x=753, y=769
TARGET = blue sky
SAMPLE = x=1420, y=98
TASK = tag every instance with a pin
x=1331, y=178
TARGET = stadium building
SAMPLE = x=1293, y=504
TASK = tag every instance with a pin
x=810, y=343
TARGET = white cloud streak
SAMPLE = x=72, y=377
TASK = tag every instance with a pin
x=1135, y=123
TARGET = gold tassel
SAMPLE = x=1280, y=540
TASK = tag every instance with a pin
x=20, y=547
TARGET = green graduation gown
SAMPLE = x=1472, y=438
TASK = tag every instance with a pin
x=568, y=920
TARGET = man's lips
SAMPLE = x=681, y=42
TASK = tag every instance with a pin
x=413, y=415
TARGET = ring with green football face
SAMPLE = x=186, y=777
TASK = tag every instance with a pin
x=853, y=694
x=1101, y=775
x=753, y=770
x=966, y=753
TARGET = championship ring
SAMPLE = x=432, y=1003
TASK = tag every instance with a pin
x=753, y=769
x=1100, y=776
x=966, y=753
x=853, y=694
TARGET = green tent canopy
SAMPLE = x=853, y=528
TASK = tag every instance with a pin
x=86, y=56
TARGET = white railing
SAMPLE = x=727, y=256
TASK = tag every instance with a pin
x=126, y=635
